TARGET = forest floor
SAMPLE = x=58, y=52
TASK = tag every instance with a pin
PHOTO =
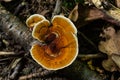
x=19, y=64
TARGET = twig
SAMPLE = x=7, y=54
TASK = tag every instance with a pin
x=16, y=69
x=19, y=7
x=14, y=74
x=40, y=74
x=87, y=39
x=5, y=59
x=92, y=56
x=57, y=8
x=2, y=53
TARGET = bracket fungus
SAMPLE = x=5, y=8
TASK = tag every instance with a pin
x=60, y=47
x=33, y=19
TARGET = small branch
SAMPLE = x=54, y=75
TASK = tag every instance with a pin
x=57, y=8
x=92, y=56
x=38, y=74
x=87, y=39
x=17, y=67
x=6, y=53
x=5, y=59
x=19, y=7
x=11, y=54
x=16, y=71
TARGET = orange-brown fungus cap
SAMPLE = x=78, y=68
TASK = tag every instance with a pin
x=65, y=23
x=61, y=47
x=40, y=30
x=33, y=19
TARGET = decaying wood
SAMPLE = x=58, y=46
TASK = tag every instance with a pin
x=12, y=25
x=19, y=31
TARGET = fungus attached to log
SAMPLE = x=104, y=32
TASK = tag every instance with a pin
x=61, y=44
x=64, y=23
x=40, y=30
x=32, y=20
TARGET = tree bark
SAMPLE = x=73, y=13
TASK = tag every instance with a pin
x=13, y=26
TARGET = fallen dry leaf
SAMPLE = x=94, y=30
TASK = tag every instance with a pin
x=74, y=14
x=94, y=14
x=116, y=59
x=109, y=65
x=111, y=46
x=117, y=3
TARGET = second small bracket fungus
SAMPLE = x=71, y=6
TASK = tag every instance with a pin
x=33, y=19
x=61, y=44
x=40, y=30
